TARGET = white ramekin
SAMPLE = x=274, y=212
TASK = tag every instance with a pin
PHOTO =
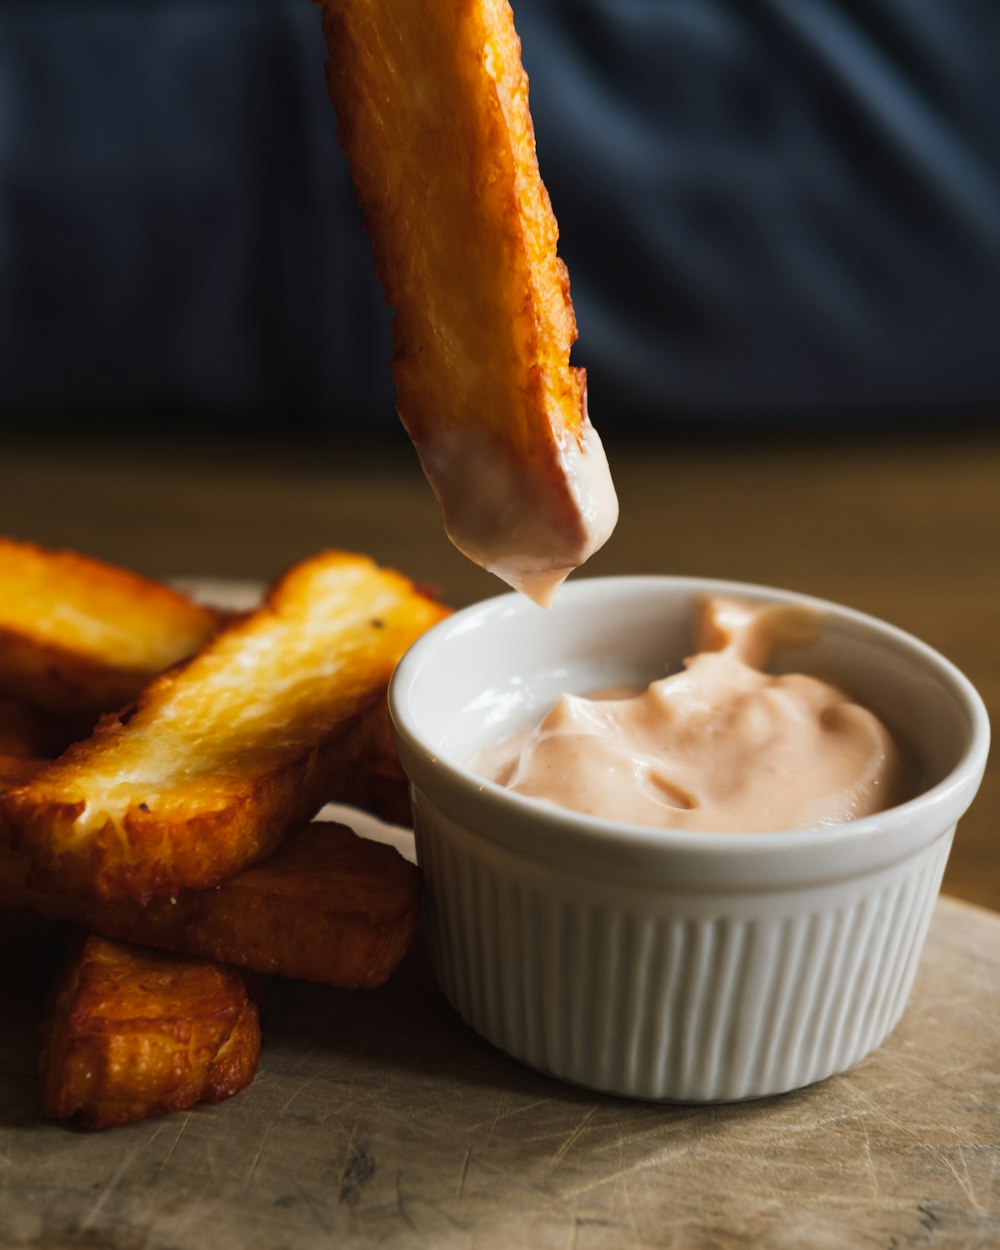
x=662, y=964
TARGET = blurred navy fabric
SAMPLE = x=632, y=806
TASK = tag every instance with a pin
x=769, y=208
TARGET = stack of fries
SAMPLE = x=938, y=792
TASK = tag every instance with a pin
x=179, y=820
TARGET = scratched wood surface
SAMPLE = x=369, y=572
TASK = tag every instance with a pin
x=379, y=1120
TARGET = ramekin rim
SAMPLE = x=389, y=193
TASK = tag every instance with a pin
x=599, y=829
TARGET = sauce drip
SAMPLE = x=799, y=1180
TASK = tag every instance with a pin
x=720, y=746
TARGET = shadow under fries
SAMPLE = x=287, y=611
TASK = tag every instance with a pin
x=407, y=1032
x=378, y=1118
x=31, y=951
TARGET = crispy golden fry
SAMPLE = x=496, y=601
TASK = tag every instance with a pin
x=132, y=1033
x=222, y=758
x=432, y=103
x=79, y=637
x=328, y=906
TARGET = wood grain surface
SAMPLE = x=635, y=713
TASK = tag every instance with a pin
x=904, y=524
x=379, y=1120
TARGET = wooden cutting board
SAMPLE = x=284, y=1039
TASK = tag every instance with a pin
x=379, y=1119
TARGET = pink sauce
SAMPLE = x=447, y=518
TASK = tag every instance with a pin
x=720, y=746
x=533, y=524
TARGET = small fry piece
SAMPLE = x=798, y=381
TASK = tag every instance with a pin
x=328, y=906
x=132, y=1033
x=222, y=758
x=432, y=102
x=79, y=637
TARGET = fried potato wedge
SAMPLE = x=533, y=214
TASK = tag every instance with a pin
x=328, y=906
x=131, y=1033
x=222, y=758
x=79, y=637
x=432, y=102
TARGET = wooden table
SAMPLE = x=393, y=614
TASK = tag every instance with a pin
x=379, y=1120
x=903, y=524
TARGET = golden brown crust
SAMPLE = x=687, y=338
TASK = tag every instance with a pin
x=432, y=102
x=222, y=758
x=328, y=906
x=131, y=1033
x=192, y=838
x=79, y=637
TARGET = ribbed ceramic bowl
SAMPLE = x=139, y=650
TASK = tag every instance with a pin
x=663, y=964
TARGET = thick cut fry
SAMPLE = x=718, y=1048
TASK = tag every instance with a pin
x=432, y=102
x=222, y=758
x=79, y=637
x=328, y=906
x=132, y=1033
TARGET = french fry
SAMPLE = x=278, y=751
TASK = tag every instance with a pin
x=432, y=102
x=223, y=757
x=131, y=1033
x=328, y=906
x=79, y=637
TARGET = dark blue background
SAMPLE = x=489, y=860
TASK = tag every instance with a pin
x=770, y=209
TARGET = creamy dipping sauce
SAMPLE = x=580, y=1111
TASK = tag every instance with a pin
x=720, y=746
x=530, y=525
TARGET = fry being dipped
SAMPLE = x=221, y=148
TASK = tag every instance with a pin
x=432, y=102
x=221, y=759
